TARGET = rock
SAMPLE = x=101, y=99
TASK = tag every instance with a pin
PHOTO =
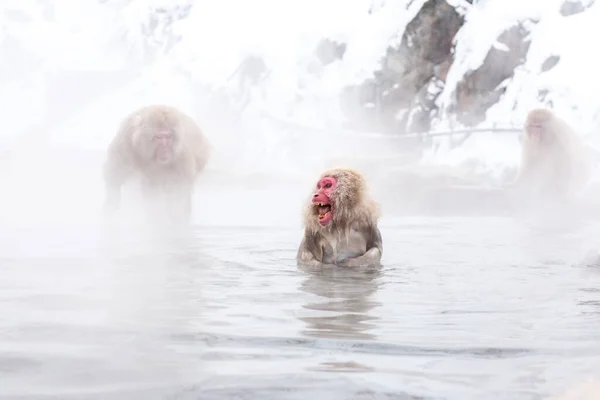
x=419, y=118
x=480, y=89
x=550, y=63
x=542, y=95
x=252, y=68
x=328, y=51
x=420, y=61
x=401, y=96
x=572, y=7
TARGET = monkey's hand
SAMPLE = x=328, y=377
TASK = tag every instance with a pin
x=307, y=259
x=371, y=258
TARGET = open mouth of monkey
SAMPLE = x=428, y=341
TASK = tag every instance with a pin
x=163, y=156
x=324, y=211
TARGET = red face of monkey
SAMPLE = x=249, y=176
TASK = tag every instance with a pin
x=535, y=129
x=322, y=199
x=163, y=146
x=539, y=127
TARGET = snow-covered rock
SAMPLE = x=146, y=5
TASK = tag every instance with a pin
x=318, y=70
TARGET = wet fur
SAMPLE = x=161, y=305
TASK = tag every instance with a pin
x=131, y=152
x=558, y=167
x=353, y=209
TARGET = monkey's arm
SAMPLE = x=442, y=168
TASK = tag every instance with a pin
x=199, y=145
x=372, y=256
x=525, y=169
x=528, y=173
x=117, y=168
x=309, y=252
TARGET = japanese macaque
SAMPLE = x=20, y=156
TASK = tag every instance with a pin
x=162, y=145
x=340, y=223
x=554, y=160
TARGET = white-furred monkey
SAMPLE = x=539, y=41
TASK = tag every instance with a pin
x=554, y=161
x=165, y=147
x=340, y=223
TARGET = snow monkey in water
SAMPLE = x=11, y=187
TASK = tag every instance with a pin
x=163, y=145
x=554, y=160
x=340, y=223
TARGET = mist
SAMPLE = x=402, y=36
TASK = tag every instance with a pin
x=283, y=90
x=252, y=80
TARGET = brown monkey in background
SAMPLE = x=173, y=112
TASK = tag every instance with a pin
x=554, y=160
x=162, y=144
x=340, y=223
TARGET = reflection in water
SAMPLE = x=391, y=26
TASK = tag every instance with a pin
x=85, y=310
x=166, y=267
x=343, y=366
x=491, y=308
x=346, y=298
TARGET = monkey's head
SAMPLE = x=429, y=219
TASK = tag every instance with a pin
x=156, y=136
x=538, y=126
x=164, y=146
x=338, y=195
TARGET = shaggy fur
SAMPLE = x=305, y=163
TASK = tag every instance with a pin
x=132, y=145
x=131, y=152
x=351, y=238
x=350, y=201
x=559, y=165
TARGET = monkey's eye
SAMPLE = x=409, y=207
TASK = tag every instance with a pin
x=328, y=185
x=319, y=186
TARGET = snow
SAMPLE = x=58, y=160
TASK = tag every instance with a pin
x=210, y=42
x=571, y=84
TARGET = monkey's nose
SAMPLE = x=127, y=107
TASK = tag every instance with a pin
x=315, y=195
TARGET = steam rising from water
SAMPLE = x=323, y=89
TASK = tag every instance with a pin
x=267, y=153
x=88, y=66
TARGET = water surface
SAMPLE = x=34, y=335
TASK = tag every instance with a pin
x=462, y=308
